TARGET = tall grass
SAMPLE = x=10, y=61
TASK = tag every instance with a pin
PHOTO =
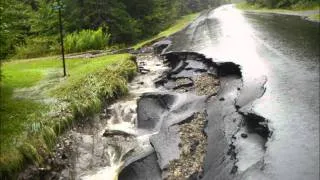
x=37, y=46
x=88, y=93
x=86, y=40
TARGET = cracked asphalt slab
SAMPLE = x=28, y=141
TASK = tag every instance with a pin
x=280, y=52
x=209, y=147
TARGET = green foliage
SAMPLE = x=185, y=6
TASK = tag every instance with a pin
x=315, y=17
x=86, y=40
x=37, y=47
x=14, y=25
x=22, y=28
x=283, y=4
x=44, y=12
x=29, y=152
x=177, y=26
x=88, y=14
x=49, y=136
x=15, y=114
x=306, y=5
x=31, y=28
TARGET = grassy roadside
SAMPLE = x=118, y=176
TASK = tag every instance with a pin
x=178, y=26
x=315, y=17
x=37, y=104
x=298, y=9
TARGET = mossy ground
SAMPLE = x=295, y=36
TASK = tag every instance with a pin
x=30, y=124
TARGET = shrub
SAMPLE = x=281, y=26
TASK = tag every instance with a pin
x=86, y=40
x=38, y=46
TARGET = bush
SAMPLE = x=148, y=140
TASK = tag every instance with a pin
x=86, y=40
x=306, y=4
x=37, y=46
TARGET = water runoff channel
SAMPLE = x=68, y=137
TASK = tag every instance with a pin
x=186, y=117
x=113, y=140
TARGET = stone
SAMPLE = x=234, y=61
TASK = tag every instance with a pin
x=111, y=133
x=244, y=135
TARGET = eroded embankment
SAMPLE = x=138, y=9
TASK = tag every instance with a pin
x=191, y=121
x=203, y=133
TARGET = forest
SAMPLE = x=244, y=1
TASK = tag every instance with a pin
x=30, y=28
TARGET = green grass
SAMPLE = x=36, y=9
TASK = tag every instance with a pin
x=28, y=130
x=296, y=7
x=177, y=26
x=315, y=17
x=247, y=6
x=16, y=115
x=86, y=92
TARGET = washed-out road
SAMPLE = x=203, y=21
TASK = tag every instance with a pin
x=282, y=51
x=233, y=96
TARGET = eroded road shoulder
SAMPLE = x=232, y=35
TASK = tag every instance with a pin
x=203, y=131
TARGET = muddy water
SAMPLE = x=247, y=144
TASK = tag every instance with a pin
x=111, y=142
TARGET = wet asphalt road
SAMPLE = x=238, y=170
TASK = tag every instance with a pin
x=285, y=51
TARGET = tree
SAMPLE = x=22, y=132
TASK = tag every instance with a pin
x=23, y=30
x=14, y=25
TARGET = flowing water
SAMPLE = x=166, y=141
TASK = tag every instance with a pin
x=112, y=143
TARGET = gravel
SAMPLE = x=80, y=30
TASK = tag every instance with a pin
x=192, y=146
